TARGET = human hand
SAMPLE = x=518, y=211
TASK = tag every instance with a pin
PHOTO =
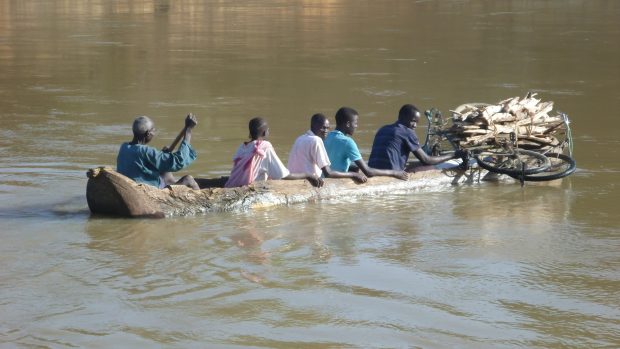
x=315, y=180
x=401, y=175
x=461, y=153
x=190, y=121
x=359, y=177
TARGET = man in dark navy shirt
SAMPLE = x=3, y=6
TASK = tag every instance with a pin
x=394, y=142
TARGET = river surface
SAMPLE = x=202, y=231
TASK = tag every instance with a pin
x=474, y=266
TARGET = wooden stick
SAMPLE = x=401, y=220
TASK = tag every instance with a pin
x=177, y=140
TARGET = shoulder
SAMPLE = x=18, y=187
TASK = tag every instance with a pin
x=336, y=135
x=242, y=148
x=140, y=148
x=307, y=140
x=301, y=140
x=349, y=140
x=267, y=147
x=313, y=139
x=149, y=151
x=406, y=131
x=387, y=127
x=124, y=146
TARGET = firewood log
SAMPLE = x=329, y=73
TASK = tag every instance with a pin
x=528, y=118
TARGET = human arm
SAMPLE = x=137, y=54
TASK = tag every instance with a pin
x=311, y=177
x=321, y=159
x=186, y=133
x=190, y=123
x=356, y=176
x=372, y=172
x=169, y=162
x=185, y=155
x=434, y=160
x=350, y=151
x=276, y=170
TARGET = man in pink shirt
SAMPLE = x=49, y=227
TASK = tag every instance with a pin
x=309, y=156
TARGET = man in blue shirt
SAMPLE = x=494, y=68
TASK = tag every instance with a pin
x=342, y=149
x=394, y=142
x=145, y=164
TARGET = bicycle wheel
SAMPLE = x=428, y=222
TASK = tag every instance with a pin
x=513, y=163
x=561, y=166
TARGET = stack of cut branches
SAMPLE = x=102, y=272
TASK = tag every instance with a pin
x=528, y=118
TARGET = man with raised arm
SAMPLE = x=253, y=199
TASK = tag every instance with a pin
x=394, y=142
x=343, y=151
x=145, y=164
x=309, y=155
x=256, y=160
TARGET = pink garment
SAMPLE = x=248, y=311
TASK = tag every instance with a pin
x=247, y=163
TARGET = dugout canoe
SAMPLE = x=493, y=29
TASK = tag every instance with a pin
x=110, y=193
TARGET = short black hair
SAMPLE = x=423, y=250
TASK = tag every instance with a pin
x=345, y=114
x=317, y=119
x=407, y=112
x=256, y=125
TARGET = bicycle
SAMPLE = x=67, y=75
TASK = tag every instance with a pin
x=525, y=158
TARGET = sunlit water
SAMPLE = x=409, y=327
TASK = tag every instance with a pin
x=490, y=265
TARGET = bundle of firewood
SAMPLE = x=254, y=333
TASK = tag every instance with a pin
x=528, y=118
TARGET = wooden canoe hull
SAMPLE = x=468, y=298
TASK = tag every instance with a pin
x=108, y=192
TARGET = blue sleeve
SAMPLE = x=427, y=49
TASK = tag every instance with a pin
x=352, y=151
x=171, y=162
x=412, y=141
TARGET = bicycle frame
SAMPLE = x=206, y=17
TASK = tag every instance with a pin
x=434, y=127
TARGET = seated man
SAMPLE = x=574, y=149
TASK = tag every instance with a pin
x=309, y=154
x=343, y=150
x=256, y=160
x=145, y=164
x=394, y=142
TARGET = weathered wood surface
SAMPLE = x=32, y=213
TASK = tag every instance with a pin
x=528, y=118
x=109, y=192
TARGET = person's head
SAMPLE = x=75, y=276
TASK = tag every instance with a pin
x=258, y=128
x=143, y=129
x=409, y=116
x=319, y=125
x=346, y=120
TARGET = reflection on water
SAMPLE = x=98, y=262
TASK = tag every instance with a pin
x=468, y=280
x=488, y=265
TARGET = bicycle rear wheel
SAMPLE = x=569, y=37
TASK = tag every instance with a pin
x=518, y=162
x=561, y=166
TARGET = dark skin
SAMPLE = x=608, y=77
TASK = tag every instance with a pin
x=348, y=128
x=311, y=177
x=321, y=130
x=190, y=123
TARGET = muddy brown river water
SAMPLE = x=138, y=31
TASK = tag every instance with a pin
x=485, y=265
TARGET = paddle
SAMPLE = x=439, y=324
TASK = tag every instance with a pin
x=177, y=140
x=179, y=137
